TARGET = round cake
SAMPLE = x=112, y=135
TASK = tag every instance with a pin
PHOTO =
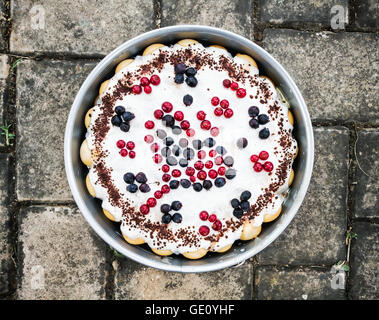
x=189, y=148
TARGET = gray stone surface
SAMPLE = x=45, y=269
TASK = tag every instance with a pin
x=134, y=281
x=366, y=14
x=316, y=11
x=79, y=27
x=232, y=15
x=337, y=73
x=3, y=25
x=61, y=257
x=45, y=92
x=364, y=275
x=317, y=233
x=5, y=259
x=302, y=284
x=366, y=191
x=4, y=72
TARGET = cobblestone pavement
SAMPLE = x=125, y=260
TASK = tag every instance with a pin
x=48, y=251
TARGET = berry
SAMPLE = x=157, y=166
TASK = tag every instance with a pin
x=263, y=155
x=148, y=138
x=207, y=184
x=258, y=167
x=167, y=106
x=204, y=230
x=224, y=104
x=176, y=150
x=205, y=125
x=119, y=110
x=176, y=130
x=238, y=213
x=242, y=143
x=176, y=205
x=147, y=89
x=168, y=141
x=124, y=127
x=212, y=218
x=234, y=86
x=190, y=171
x=212, y=174
x=158, y=194
x=185, y=183
x=179, y=78
x=229, y=161
x=151, y=202
x=144, y=81
x=183, y=163
x=241, y=93
x=226, y=83
x=253, y=111
x=201, y=154
x=253, y=123
x=129, y=177
x=136, y=89
x=172, y=161
x=178, y=115
x=155, y=80
x=120, y=144
x=116, y=121
x=201, y=175
x=183, y=142
x=218, y=112
x=144, y=188
x=245, y=206
x=203, y=215
x=165, y=188
x=228, y=113
x=201, y=115
x=190, y=72
x=154, y=147
x=187, y=100
x=166, y=177
x=132, y=188
x=235, y=203
x=215, y=131
x=123, y=152
x=221, y=150
x=197, y=144
x=168, y=121
x=165, y=168
x=149, y=124
x=197, y=187
x=174, y=184
x=246, y=195
x=188, y=153
x=192, y=179
x=158, y=114
x=254, y=158
x=176, y=173
x=165, y=208
x=264, y=133
x=128, y=116
x=219, y=160
x=177, y=217
x=144, y=209
x=166, y=152
x=217, y=225
x=263, y=119
x=209, y=142
x=268, y=166
x=215, y=101
x=141, y=177
x=180, y=68
x=191, y=81
x=220, y=182
x=209, y=164
x=185, y=124
x=166, y=218
x=212, y=153
x=230, y=174
x=132, y=154
x=190, y=132
x=199, y=165
x=130, y=145
x=221, y=171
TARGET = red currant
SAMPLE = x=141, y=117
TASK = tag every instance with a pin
x=165, y=188
x=178, y=115
x=226, y=83
x=199, y=165
x=155, y=80
x=144, y=81
x=149, y=124
x=157, y=158
x=217, y=225
x=254, y=158
x=201, y=175
x=221, y=171
x=212, y=174
x=120, y=144
x=212, y=218
x=263, y=155
x=136, y=89
x=190, y=132
x=158, y=194
x=185, y=124
x=201, y=115
x=268, y=166
x=147, y=89
x=258, y=167
x=241, y=93
x=234, y=86
x=190, y=171
x=205, y=125
x=149, y=138
x=215, y=131
x=132, y=154
x=167, y=106
x=144, y=209
x=201, y=154
x=215, y=101
x=228, y=113
x=176, y=173
x=165, y=168
x=203, y=215
x=151, y=202
x=224, y=104
x=204, y=230
x=123, y=152
x=218, y=112
x=130, y=145
x=158, y=114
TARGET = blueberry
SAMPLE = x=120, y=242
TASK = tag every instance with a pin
x=171, y=160
x=230, y=174
x=180, y=68
x=176, y=150
x=176, y=205
x=165, y=208
x=177, y=217
x=168, y=120
x=209, y=142
x=119, y=110
x=188, y=153
x=264, y=133
x=166, y=218
x=254, y=123
x=207, y=184
x=235, y=203
x=124, y=127
x=168, y=141
x=220, y=182
x=179, y=78
x=191, y=81
x=128, y=116
x=197, y=186
x=221, y=150
x=197, y=144
x=253, y=111
x=185, y=183
x=263, y=119
x=161, y=134
x=141, y=177
x=246, y=195
x=116, y=121
x=245, y=206
x=190, y=72
x=183, y=163
x=144, y=187
x=238, y=213
x=187, y=100
x=174, y=184
x=132, y=188
x=166, y=152
x=129, y=177
x=242, y=143
x=176, y=130
x=229, y=161
x=183, y=142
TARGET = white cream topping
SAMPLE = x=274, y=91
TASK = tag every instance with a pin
x=216, y=200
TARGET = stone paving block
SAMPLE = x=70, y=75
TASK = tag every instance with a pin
x=317, y=233
x=60, y=257
x=366, y=14
x=232, y=15
x=337, y=73
x=366, y=192
x=301, y=284
x=4, y=72
x=3, y=25
x=79, y=27
x=5, y=260
x=45, y=92
x=135, y=281
x=364, y=274
x=316, y=11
